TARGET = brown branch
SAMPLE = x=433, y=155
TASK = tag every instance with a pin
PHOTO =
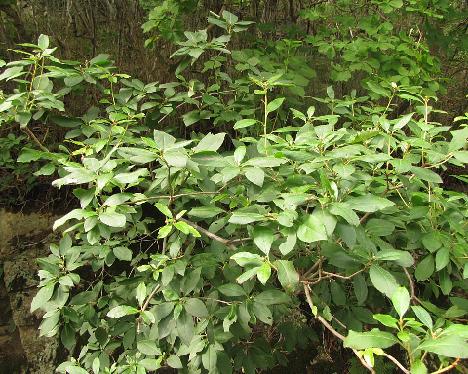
x=145, y=305
x=396, y=362
x=412, y=288
x=364, y=217
x=450, y=367
x=169, y=197
x=35, y=139
x=342, y=338
x=333, y=331
x=313, y=268
x=228, y=243
x=334, y=275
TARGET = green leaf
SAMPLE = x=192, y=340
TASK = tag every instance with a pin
x=289, y=245
x=461, y=156
x=76, y=370
x=287, y=274
x=402, y=258
x=371, y=339
x=447, y=345
x=186, y=229
x=344, y=211
x=271, y=297
x=255, y=175
x=244, y=218
x=174, y=362
x=229, y=17
x=231, y=290
x=67, y=336
x=209, y=358
x=382, y=280
x=432, y=241
x=23, y=118
x=377, y=89
x=117, y=199
x=130, y=178
x=123, y=253
x=164, y=231
x=163, y=140
x=176, y=158
x=360, y=288
x=137, y=155
x=43, y=41
x=196, y=307
x=442, y=258
x=96, y=365
x=239, y=154
x=275, y=104
x=401, y=301
x=191, y=117
x=263, y=272
x=247, y=275
x=148, y=347
x=287, y=217
x=122, y=311
x=426, y=175
x=141, y=293
x=368, y=203
x=418, y=367
x=266, y=162
x=263, y=313
x=205, y=211
x=164, y=209
x=386, y=320
x=190, y=280
x=379, y=227
x=42, y=297
x=403, y=121
x=312, y=230
x=424, y=269
x=10, y=73
x=423, y=316
x=244, y=123
x=263, y=238
x=113, y=219
x=247, y=258
x=151, y=364
x=210, y=142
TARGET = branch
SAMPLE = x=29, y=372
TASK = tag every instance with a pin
x=396, y=362
x=313, y=268
x=169, y=197
x=35, y=139
x=228, y=243
x=331, y=275
x=411, y=284
x=450, y=367
x=145, y=305
x=333, y=331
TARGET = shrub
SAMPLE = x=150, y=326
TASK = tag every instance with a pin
x=291, y=214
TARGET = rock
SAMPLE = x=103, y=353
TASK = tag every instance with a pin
x=23, y=238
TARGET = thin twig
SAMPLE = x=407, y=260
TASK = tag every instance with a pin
x=334, y=275
x=148, y=299
x=450, y=367
x=411, y=284
x=163, y=197
x=35, y=139
x=228, y=243
x=312, y=269
x=396, y=362
x=333, y=331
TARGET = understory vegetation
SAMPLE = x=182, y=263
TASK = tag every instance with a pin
x=230, y=216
